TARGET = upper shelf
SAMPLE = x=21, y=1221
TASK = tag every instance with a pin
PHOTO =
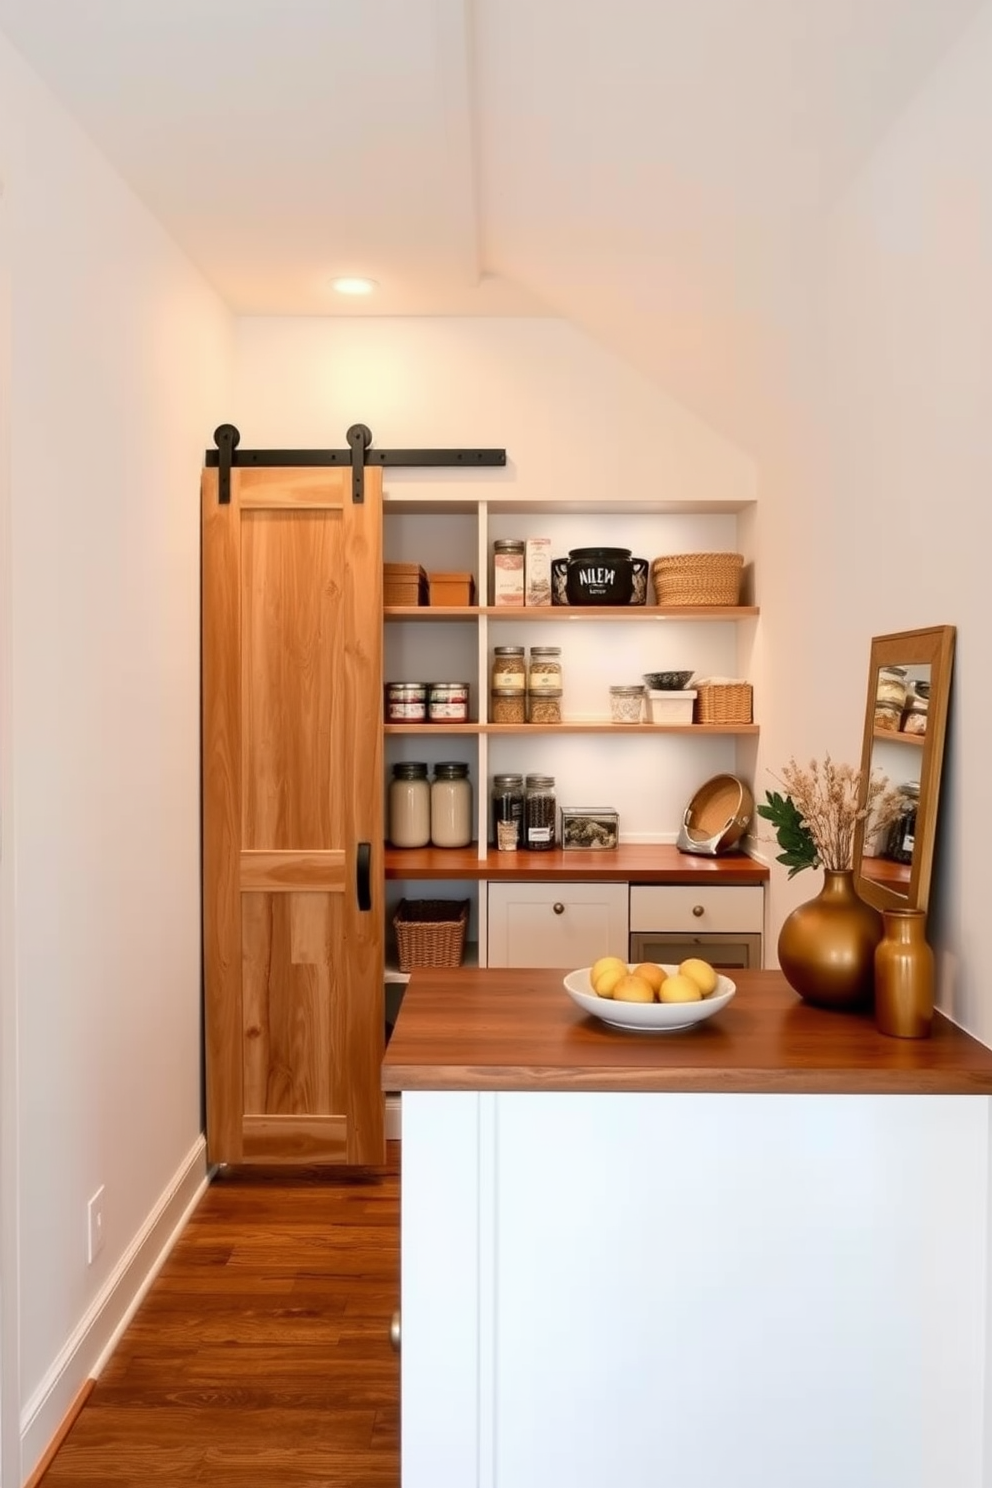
x=517, y=613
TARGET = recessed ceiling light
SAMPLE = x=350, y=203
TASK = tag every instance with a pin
x=351, y=285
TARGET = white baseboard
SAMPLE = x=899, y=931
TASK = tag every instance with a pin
x=98, y=1332
x=393, y=1118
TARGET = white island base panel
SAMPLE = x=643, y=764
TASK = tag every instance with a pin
x=694, y=1290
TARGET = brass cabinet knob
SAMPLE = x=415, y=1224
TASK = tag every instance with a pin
x=394, y=1332
x=558, y=908
x=698, y=911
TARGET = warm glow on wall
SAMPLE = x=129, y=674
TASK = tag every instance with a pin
x=353, y=285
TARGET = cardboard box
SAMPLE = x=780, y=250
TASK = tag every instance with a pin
x=452, y=589
x=404, y=584
x=595, y=828
x=537, y=571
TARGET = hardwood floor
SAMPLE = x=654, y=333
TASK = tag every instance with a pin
x=261, y=1354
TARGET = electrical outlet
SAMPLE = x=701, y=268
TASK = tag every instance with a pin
x=94, y=1226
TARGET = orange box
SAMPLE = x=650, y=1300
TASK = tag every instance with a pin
x=452, y=589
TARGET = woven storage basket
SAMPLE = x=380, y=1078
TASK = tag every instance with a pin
x=430, y=932
x=697, y=578
x=723, y=702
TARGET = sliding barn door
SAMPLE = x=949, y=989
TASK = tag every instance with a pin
x=292, y=816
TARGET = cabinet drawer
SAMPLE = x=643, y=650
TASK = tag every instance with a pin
x=697, y=907
x=556, y=924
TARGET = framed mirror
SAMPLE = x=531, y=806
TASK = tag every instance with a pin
x=909, y=684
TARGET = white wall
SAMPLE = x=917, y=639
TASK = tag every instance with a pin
x=120, y=355
x=879, y=518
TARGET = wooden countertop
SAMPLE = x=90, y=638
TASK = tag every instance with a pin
x=643, y=863
x=478, y=1029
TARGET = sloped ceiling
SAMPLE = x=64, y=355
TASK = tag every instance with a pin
x=657, y=171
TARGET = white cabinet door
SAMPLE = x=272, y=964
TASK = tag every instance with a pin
x=556, y=924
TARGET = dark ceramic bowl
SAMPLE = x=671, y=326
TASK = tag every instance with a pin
x=667, y=681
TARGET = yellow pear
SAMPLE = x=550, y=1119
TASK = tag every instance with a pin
x=605, y=984
x=680, y=988
x=652, y=974
x=633, y=988
x=702, y=974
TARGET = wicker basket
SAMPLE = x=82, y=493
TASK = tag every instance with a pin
x=697, y=578
x=723, y=702
x=430, y=932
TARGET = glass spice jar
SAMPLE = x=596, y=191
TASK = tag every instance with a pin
x=539, y=813
x=544, y=705
x=409, y=805
x=508, y=811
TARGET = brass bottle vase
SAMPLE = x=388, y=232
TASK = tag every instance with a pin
x=826, y=947
x=904, y=975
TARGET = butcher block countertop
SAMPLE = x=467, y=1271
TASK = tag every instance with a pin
x=645, y=863
x=495, y=1029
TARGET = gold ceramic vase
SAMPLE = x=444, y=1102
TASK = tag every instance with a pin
x=904, y=975
x=826, y=947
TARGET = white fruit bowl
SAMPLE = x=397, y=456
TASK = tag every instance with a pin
x=647, y=1017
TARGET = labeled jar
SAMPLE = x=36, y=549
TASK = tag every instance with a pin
x=509, y=672
x=406, y=702
x=544, y=705
x=539, y=812
x=447, y=702
x=409, y=806
x=506, y=705
x=451, y=805
x=544, y=669
x=508, y=572
x=508, y=811
x=902, y=834
x=626, y=704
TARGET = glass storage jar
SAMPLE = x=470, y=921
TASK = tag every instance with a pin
x=539, y=812
x=626, y=704
x=508, y=811
x=409, y=805
x=509, y=669
x=902, y=834
x=506, y=705
x=544, y=705
x=544, y=669
x=891, y=686
x=451, y=805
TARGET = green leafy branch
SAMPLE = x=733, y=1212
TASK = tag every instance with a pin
x=793, y=835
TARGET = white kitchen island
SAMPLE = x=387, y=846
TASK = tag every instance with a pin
x=750, y=1255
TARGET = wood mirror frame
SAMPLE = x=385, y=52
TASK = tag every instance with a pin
x=925, y=654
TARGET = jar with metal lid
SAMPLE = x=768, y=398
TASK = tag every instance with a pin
x=509, y=671
x=540, y=811
x=447, y=702
x=508, y=811
x=451, y=805
x=544, y=669
x=506, y=705
x=406, y=702
x=409, y=805
x=508, y=571
x=544, y=705
x=626, y=704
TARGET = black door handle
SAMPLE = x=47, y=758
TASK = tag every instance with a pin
x=363, y=875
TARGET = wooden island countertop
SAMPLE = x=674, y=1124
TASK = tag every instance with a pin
x=494, y=1029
